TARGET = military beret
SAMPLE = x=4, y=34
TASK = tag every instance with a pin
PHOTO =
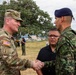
x=63, y=12
x=13, y=13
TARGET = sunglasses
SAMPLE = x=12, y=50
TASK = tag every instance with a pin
x=53, y=36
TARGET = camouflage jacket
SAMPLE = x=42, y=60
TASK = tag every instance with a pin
x=10, y=64
x=66, y=53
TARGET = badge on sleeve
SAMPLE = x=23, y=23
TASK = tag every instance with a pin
x=6, y=43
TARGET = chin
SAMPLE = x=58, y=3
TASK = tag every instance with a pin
x=15, y=31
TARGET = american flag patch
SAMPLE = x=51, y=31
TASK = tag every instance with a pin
x=6, y=43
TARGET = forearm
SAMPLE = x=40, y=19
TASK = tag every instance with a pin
x=39, y=72
x=49, y=63
x=17, y=63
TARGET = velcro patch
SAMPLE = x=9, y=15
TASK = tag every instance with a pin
x=6, y=43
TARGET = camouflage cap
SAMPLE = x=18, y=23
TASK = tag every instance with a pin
x=13, y=13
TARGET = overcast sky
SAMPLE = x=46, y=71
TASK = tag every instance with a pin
x=51, y=5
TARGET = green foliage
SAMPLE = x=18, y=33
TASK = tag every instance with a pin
x=34, y=20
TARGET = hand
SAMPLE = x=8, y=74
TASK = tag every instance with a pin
x=36, y=65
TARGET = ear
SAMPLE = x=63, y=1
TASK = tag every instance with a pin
x=62, y=19
x=7, y=20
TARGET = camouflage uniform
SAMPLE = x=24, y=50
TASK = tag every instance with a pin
x=10, y=64
x=66, y=53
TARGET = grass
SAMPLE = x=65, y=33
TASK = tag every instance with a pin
x=32, y=49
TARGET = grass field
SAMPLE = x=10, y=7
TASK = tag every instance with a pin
x=32, y=49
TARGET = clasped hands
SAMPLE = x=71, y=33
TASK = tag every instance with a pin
x=37, y=64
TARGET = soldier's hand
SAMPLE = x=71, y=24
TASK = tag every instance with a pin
x=36, y=65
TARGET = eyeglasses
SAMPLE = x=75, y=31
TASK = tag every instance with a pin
x=53, y=36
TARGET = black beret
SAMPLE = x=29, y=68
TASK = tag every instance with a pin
x=63, y=12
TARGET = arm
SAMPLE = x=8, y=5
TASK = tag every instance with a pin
x=23, y=41
x=39, y=72
x=49, y=63
x=65, y=63
x=10, y=58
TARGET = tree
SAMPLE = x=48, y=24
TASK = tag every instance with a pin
x=34, y=20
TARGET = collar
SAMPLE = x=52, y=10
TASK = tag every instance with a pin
x=9, y=35
x=66, y=30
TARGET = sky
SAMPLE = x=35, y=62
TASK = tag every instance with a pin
x=50, y=6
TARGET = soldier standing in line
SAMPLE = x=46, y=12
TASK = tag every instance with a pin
x=10, y=64
x=65, y=63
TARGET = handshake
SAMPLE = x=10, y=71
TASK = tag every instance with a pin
x=37, y=64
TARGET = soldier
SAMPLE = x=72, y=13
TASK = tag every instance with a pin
x=10, y=64
x=66, y=46
x=23, y=43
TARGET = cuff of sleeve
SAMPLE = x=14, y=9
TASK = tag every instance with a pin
x=28, y=64
x=49, y=63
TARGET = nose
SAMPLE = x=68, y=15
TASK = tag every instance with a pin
x=54, y=22
x=52, y=37
x=19, y=24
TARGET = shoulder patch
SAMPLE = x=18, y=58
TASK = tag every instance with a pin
x=6, y=43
